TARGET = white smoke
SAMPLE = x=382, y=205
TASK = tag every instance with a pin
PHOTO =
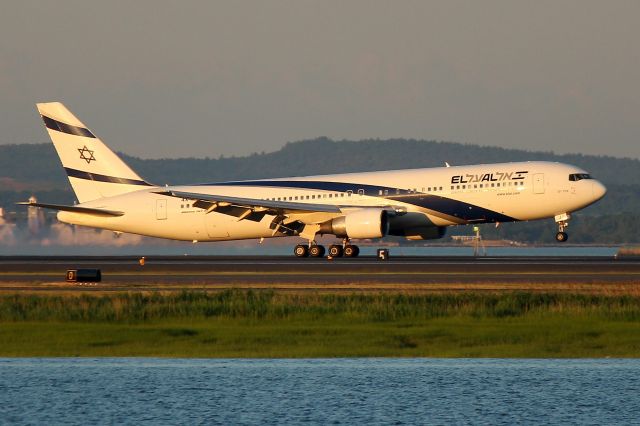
x=69, y=235
x=7, y=233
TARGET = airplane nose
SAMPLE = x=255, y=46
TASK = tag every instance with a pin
x=598, y=189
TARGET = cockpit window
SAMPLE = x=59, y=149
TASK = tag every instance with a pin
x=579, y=176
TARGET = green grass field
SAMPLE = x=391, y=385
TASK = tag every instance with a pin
x=271, y=324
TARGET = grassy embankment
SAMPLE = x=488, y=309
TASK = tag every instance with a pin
x=270, y=324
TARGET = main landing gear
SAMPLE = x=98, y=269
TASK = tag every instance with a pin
x=335, y=250
x=316, y=251
x=346, y=250
x=563, y=221
x=304, y=250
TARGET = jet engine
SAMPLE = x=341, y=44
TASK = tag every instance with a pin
x=363, y=223
x=425, y=233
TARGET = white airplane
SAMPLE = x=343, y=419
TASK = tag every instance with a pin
x=416, y=203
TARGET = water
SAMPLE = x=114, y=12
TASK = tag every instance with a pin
x=325, y=391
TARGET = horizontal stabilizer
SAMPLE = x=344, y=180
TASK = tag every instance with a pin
x=75, y=209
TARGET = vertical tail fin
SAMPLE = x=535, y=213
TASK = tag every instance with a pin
x=94, y=170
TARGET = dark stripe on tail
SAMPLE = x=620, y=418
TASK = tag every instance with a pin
x=102, y=178
x=66, y=128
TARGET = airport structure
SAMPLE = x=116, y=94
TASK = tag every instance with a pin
x=415, y=203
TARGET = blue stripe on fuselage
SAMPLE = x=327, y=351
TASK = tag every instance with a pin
x=460, y=209
x=444, y=205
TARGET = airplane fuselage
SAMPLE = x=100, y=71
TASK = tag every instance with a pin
x=424, y=199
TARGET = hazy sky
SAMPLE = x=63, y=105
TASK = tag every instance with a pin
x=168, y=79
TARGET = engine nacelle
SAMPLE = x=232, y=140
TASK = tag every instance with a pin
x=363, y=223
x=425, y=233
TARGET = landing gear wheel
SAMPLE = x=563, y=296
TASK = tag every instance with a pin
x=563, y=221
x=301, y=250
x=335, y=251
x=351, y=251
x=316, y=251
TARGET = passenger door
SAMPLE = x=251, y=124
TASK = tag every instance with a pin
x=161, y=209
x=538, y=183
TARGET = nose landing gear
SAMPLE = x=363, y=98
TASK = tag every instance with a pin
x=563, y=221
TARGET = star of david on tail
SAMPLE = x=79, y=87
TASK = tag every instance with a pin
x=86, y=154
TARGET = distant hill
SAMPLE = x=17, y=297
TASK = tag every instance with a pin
x=38, y=162
x=324, y=156
x=36, y=169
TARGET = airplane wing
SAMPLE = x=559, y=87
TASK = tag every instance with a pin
x=213, y=202
x=75, y=209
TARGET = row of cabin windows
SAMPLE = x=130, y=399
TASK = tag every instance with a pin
x=311, y=197
x=349, y=193
x=411, y=191
x=384, y=192
x=481, y=185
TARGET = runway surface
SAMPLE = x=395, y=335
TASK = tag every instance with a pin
x=408, y=274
